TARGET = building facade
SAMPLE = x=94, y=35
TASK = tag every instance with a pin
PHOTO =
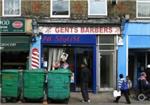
x=93, y=44
x=134, y=53
x=91, y=31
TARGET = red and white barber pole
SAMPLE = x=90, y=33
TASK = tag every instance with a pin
x=35, y=63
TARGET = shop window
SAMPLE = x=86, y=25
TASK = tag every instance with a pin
x=97, y=7
x=143, y=8
x=60, y=8
x=11, y=7
x=106, y=39
x=106, y=47
x=106, y=43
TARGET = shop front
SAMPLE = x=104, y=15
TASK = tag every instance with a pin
x=94, y=45
x=79, y=48
x=134, y=54
x=15, y=43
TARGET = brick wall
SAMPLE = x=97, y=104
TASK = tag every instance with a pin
x=79, y=8
x=122, y=8
x=36, y=8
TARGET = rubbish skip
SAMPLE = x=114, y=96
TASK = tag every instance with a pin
x=33, y=84
x=10, y=85
x=59, y=85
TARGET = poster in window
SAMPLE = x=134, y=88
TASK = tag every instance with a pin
x=60, y=8
x=97, y=7
x=11, y=7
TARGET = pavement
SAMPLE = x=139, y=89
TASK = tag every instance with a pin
x=105, y=98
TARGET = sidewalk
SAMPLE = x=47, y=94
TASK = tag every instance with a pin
x=95, y=98
x=104, y=98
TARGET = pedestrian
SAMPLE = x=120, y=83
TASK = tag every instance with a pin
x=143, y=83
x=84, y=76
x=129, y=84
x=123, y=87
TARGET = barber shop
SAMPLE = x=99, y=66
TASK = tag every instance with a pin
x=94, y=46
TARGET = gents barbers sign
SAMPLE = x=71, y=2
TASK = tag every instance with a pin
x=80, y=30
x=12, y=25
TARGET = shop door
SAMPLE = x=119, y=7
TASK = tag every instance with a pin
x=106, y=70
x=83, y=55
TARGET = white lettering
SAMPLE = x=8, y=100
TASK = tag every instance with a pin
x=4, y=22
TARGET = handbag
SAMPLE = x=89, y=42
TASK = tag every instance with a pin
x=116, y=93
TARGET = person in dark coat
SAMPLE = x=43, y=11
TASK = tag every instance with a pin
x=84, y=76
x=143, y=83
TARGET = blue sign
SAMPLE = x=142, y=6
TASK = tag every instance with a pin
x=68, y=39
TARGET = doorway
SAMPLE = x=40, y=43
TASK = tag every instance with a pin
x=83, y=55
x=106, y=70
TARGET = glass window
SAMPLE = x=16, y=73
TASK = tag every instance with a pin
x=106, y=47
x=106, y=39
x=11, y=7
x=106, y=67
x=143, y=9
x=60, y=8
x=97, y=7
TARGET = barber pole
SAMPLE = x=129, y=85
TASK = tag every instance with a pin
x=35, y=59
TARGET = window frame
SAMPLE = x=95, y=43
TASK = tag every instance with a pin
x=11, y=15
x=59, y=16
x=95, y=15
x=137, y=9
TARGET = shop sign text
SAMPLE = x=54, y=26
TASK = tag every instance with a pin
x=12, y=25
x=80, y=30
x=61, y=39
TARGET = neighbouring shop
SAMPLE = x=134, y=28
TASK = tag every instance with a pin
x=134, y=54
x=15, y=42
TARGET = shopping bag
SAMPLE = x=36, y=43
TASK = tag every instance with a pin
x=116, y=93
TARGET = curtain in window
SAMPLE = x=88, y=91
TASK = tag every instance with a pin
x=54, y=56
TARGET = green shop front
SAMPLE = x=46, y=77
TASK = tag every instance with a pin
x=15, y=42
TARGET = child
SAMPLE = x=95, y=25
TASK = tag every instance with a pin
x=129, y=84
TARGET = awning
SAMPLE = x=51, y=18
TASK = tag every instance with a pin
x=15, y=43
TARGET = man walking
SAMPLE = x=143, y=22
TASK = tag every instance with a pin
x=123, y=87
x=84, y=82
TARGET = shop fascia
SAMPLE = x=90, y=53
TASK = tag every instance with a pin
x=14, y=25
x=80, y=30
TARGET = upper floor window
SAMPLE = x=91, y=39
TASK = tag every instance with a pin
x=143, y=8
x=11, y=7
x=60, y=8
x=97, y=7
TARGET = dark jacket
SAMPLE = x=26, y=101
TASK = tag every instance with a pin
x=84, y=76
